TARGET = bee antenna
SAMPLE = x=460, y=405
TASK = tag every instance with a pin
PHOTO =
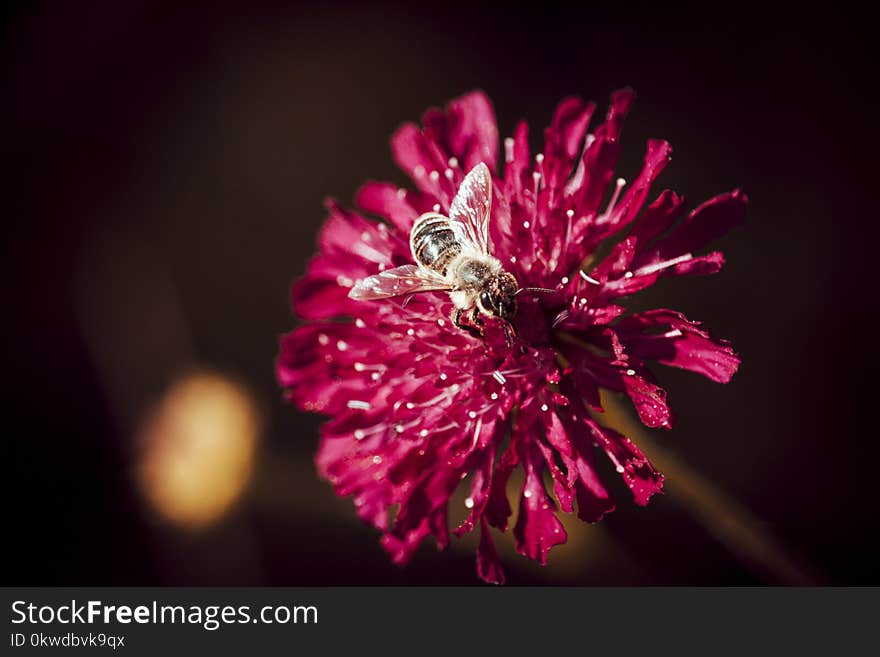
x=545, y=290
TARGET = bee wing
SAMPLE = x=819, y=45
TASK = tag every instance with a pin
x=472, y=205
x=395, y=282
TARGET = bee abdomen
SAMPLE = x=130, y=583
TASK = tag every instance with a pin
x=433, y=243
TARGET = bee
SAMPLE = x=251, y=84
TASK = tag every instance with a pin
x=453, y=254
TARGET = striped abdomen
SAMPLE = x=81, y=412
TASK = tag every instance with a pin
x=433, y=242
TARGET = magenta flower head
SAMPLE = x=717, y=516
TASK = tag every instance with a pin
x=468, y=331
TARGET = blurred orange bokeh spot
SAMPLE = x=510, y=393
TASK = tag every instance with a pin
x=198, y=449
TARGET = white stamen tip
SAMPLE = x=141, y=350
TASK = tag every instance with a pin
x=569, y=213
x=436, y=207
x=469, y=502
x=539, y=158
x=357, y=404
x=377, y=459
x=434, y=176
x=526, y=224
x=589, y=279
x=630, y=372
x=613, y=202
x=658, y=266
x=545, y=408
x=453, y=162
x=508, y=150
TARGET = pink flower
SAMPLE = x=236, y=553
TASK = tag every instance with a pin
x=416, y=405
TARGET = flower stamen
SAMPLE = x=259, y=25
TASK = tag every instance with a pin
x=508, y=150
x=665, y=264
x=605, y=216
x=587, y=278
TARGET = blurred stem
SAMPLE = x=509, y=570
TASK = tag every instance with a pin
x=747, y=537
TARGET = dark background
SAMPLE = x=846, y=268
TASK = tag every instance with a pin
x=165, y=170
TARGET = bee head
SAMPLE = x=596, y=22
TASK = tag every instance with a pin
x=499, y=297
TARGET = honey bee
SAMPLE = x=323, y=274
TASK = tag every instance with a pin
x=452, y=254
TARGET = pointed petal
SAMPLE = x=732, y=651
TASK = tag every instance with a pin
x=706, y=223
x=638, y=473
x=471, y=130
x=488, y=564
x=684, y=345
x=537, y=528
x=562, y=139
x=399, y=206
x=658, y=217
x=649, y=400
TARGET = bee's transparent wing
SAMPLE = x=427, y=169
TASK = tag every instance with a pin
x=407, y=279
x=472, y=206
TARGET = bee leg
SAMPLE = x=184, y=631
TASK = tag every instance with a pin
x=510, y=333
x=477, y=320
x=456, y=320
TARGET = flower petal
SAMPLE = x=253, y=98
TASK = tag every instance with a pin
x=625, y=211
x=638, y=473
x=706, y=223
x=598, y=161
x=658, y=217
x=322, y=293
x=498, y=507
x=399, y=206
x=421, y=158
x=684, y=345
x=649, y=400
x=471, y=130
x=537, y=528
x=593, y=500
x=488, y=564
x=482, y=481
x=563, y=138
